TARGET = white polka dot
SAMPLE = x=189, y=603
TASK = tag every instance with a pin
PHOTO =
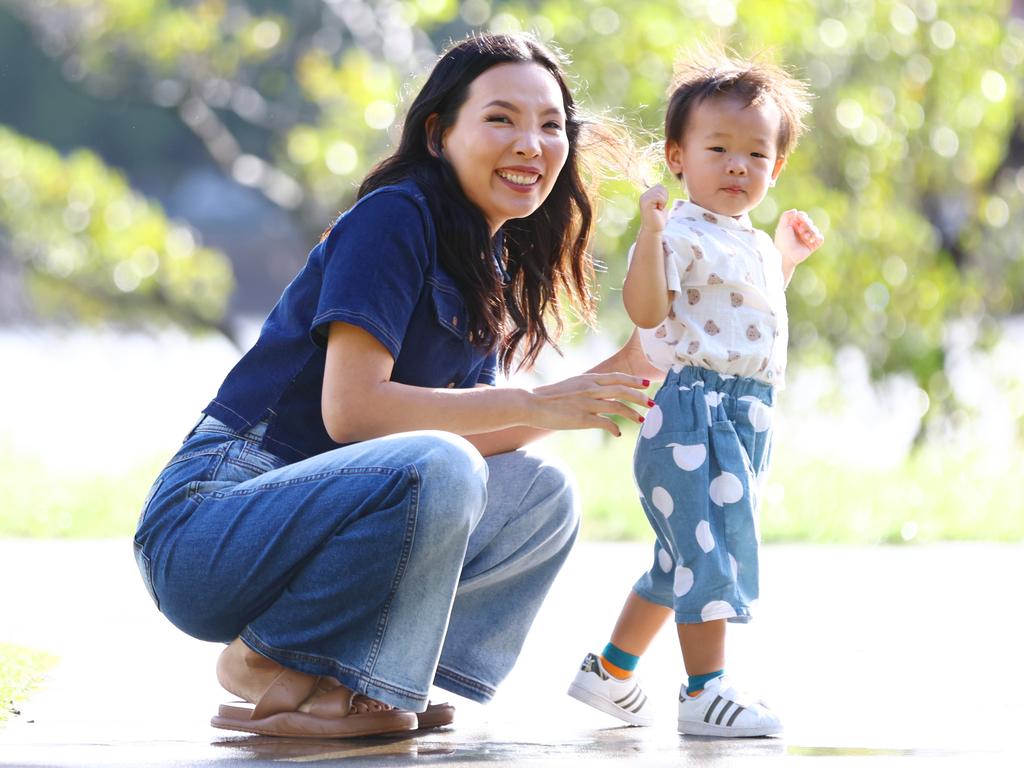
x=704, y=537
x=688, y=457
x=664, y=560
x=714, y=398
x=760, y=415
x=734, y=566
x=662, y=501
x=683, y=582
x=652, y=422
x=726, y=489
x=716, y=609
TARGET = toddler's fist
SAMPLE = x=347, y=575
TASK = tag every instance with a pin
x=653, y=203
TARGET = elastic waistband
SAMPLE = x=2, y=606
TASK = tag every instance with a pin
x=735, y=386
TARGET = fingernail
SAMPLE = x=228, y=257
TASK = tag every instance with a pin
x=650, y=403
x=641, y=418
x=647, y=382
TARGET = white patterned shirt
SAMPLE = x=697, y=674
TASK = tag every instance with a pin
x=728, y=308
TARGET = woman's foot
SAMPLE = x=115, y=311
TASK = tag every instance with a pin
x=285, y=702
x=247, y=674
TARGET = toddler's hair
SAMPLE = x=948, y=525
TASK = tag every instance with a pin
x=712, y=73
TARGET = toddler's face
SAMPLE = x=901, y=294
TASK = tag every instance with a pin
x=728, y=155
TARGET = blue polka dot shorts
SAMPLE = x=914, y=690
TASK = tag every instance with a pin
x=701, y=452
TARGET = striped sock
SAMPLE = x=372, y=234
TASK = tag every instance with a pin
x=696, y=683
x=617, y=662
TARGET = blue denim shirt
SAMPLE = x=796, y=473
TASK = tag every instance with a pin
x=377, y=269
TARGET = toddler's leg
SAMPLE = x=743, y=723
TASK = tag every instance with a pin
x=638, y=623
x=703, y=647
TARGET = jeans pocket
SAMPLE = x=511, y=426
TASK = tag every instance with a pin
x=146, y=570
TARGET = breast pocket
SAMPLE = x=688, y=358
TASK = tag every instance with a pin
x=449, y=309
x=452, y=355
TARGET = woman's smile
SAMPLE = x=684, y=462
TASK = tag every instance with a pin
x=519, y=178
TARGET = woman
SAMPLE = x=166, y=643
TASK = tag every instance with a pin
x=317, y=519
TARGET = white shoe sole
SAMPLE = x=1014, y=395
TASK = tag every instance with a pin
x=690, y=728
x=596, y=701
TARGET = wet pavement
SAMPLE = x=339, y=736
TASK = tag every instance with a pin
x=896, y=655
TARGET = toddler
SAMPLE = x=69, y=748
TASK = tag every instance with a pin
x=707, y=290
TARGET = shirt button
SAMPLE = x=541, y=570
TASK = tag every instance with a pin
x=451, y=384
x=455, y=320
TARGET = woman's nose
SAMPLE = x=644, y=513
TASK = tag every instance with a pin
x=528, y=144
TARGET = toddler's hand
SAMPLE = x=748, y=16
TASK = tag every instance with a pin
x=796, y=237
x=653, y=203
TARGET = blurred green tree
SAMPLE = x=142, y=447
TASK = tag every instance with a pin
x=91, y=247
x=914, y=166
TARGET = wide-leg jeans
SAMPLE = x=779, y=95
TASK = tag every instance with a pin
x=390, y=564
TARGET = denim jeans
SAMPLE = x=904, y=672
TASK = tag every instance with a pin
x=390, y=564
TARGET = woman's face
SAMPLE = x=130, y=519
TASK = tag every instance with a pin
x=508, y=142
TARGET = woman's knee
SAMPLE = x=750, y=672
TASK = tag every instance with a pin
x=452, y=475
x=555, y=485
x=547, y=516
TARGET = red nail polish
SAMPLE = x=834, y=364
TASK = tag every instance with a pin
x=647, y=382
x=650, y=403
x=641, y=418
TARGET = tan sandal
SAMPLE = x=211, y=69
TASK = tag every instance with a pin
x=435, y=716
x=300, y=705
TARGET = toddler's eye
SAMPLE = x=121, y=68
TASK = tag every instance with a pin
x=758, y=154
x=717, y=149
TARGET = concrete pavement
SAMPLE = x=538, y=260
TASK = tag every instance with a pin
x=880, y=655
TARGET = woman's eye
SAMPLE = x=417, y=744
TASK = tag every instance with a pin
x=497, y=119
x=554, y=124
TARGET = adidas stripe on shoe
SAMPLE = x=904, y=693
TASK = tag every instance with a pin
x=721, y=710
x=623, y=699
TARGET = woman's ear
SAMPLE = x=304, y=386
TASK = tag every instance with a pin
x=674, y=158
x=435, y=140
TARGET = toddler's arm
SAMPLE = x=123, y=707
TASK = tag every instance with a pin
x=645, y=293
x=796, y=237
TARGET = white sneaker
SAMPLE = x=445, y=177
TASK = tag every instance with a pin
x=623, y=699
x=721, y=710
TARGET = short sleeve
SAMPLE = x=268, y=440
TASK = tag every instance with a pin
x=489, y=371
x=675, y=261
x=375, y=262
x=679, y=255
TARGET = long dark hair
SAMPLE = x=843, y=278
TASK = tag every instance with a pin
x=546, y=253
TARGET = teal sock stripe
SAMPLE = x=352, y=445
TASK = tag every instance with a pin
x=697, y=682
x=620, y=658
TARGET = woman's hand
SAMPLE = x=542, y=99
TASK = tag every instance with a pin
x=587, y=401
x=631, y=359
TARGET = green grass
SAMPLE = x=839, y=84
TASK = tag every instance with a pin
x=941, y=493
x=40, y=501
x=21, y=670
